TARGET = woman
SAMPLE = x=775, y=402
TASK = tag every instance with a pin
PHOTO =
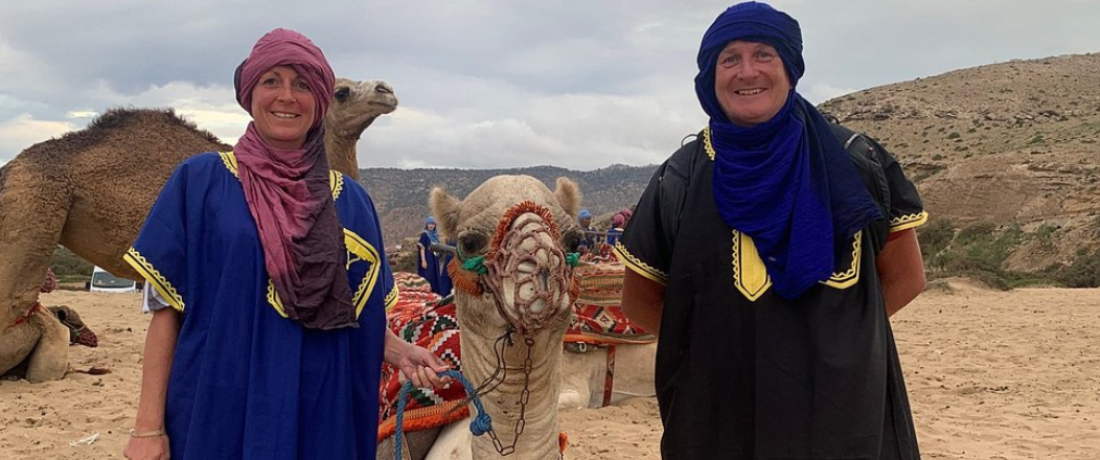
x=275, y=333
x=772, y=297
x=429, y=259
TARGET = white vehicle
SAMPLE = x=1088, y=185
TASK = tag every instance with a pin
x=104, y=281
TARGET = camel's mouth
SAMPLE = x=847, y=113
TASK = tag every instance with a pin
x=84, y=337
x=528, y=273
x=384, y=101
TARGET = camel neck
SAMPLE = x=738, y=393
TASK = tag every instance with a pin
x=342, y=153
x=539, y=439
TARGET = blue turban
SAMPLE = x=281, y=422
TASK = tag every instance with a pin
x=584, y=214
x=754, y=22
x=787, y=182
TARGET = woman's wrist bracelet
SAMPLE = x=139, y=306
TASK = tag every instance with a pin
x=147, y=434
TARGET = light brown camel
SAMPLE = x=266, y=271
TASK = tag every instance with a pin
x=90, y=191
x=527, y=288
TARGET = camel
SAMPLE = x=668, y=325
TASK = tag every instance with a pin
x=517, y=310
x=90, y=191
x=585, y=369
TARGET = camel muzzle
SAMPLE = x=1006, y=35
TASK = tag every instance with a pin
x=528, y=273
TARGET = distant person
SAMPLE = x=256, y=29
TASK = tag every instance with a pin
x=770, y=268
x=446, y=285
x=626, y=213
x=591, y=237
x=617, y=224
x=50, y=284
x=269, y=332
x=429, y=259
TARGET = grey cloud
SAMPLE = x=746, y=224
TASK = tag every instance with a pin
x=489, y=83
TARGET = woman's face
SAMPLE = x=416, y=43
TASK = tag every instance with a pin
x=283, y=108
x=750, y=82
x=430, y=227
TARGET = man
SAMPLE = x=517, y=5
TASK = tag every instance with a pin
x=770, y=268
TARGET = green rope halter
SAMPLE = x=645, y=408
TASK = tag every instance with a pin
x=471, y=264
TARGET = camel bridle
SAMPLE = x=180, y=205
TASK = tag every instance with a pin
x=549, y=283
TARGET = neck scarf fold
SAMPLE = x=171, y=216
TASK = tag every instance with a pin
x=787, y=183
x=288, y=193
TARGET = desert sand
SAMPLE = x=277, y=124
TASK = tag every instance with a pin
x=991, y=375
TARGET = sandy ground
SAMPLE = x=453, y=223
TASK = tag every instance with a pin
x=991, y=375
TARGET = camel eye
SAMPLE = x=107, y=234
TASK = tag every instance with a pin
x=342, y=93
x=472, y=243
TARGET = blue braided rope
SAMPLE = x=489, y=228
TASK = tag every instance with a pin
x=481, y=424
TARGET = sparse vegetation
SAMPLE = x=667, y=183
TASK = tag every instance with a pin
x=977, y=251
x=70, y=267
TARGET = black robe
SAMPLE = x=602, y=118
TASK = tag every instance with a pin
x=745, y=374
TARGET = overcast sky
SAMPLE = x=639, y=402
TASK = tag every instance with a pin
x=487, y=83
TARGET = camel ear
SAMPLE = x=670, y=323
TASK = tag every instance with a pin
x=445, y=210
x=569, y=196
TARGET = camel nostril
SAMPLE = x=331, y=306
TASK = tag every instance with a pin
x=527, y=268
x=384, y=88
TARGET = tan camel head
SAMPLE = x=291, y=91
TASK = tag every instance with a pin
x=523, y=230
x=355, y=105
x=79, y=334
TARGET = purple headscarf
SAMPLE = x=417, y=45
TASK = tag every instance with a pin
x=288, y=192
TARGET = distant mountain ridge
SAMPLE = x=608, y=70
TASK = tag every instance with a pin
x=401, y=195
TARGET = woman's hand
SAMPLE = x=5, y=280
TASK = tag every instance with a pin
x=152, y=448
x=423, y=264
x=416, y=363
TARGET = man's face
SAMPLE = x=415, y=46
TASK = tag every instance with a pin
x=750, y=82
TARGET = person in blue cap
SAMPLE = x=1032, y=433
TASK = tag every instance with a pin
x=588, y=243
x=773, y=305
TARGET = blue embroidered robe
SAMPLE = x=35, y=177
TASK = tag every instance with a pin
x=246, y=382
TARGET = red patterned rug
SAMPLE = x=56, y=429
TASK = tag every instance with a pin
x=597, y=315
x=418, y=319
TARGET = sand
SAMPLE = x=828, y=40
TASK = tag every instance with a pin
x=991, y=375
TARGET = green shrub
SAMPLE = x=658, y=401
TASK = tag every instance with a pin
x=70, y=267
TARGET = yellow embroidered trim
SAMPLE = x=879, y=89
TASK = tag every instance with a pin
x=706, y=143
x=363, y=250
x=848, y=278
x=230, y=161
x=336, y=183
x=273, y=299
x=750, y=276
x=336, y=179
x=638, y=266
x=360, y=250
x=153, y=276
x=391, y=299
x=909, y=221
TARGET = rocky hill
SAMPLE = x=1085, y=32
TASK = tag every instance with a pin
x=401, y=195
x=1006, y=158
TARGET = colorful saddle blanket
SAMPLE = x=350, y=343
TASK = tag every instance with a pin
x=597, y=314
x=417, y=318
